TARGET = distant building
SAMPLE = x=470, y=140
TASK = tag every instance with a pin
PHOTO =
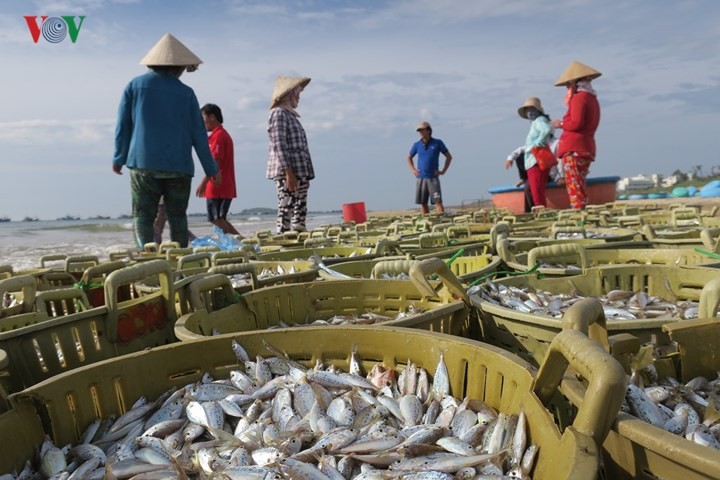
x=639, y=182
x=670, y=181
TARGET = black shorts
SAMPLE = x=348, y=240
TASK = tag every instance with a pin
x=217, y=208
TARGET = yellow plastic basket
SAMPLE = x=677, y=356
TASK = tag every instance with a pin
x=446, y=310
x=39, y=346
x=71, y=401
x=636, y=449
x=529, y=335
x=571, y=255
x=305, y=271
x=329, y=255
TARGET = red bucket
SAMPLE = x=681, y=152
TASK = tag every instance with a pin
x=354, y=212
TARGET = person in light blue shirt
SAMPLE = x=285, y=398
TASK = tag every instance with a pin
x=159, y=124
x=540, y=134
x=428, y=150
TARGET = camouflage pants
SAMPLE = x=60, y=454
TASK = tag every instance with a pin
x=292, y=206
x=147, y=189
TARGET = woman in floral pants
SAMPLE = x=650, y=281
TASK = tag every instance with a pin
x=577, y=142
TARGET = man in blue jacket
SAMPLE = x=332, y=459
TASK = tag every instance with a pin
x=428, y=150
x=159, y=123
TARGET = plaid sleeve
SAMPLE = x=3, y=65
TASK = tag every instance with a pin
x=278, y=131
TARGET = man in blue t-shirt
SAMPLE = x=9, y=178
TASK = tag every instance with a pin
x=428, y=150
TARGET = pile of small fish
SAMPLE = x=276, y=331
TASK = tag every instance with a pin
x=367, y=318
x=399, y=276
x=9, y=300
x=617, y=304
x=689, y=410
x=242, y=279
x=587, y=234
x=274, y=418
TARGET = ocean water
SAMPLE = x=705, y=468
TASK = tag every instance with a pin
x=22, y=244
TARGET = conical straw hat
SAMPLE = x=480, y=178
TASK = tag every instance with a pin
x=283, y=85
x=171, y=52
x=530, y=102
x=575, y=71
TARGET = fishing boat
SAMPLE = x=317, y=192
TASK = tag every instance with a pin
x=4, y=219
x=600, y=190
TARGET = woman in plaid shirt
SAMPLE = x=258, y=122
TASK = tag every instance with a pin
x=289, y=162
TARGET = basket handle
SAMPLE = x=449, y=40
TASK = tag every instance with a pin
x=587, y=316
x=229, y=256
x=203, y=257
x=630, y=221
x=99, y=270
x=207, y=248
x=132, y=274
x=60, y=294
x=709, y=241
x=568, y=229
x=120, y=254
x=206, y=284
x=648, y=231
x=391, y=267
x=152, y=247
x=25, y=283
x=560, y=250
x=607, y=381
x=385, y=247
x=234, y=269
x=6, y=271
x=435, y=266
x=500, y=230
x=433, y=239
x=565, y=223
x=51, y=258
x=502, y=247
x=458, y=231
x=81, y=260
x=481, y=216
x=709, y=299
x=175, y=253
x=441, y=227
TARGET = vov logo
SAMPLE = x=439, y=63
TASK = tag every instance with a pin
x=54, y=29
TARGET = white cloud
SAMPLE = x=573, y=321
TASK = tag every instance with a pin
x=75, y=6
x=40, y=132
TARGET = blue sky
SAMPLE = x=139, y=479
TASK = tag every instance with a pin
x=378, y=68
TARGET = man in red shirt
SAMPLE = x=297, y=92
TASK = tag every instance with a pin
x=220, y=196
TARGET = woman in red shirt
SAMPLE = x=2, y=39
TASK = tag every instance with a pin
x=577, y=142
